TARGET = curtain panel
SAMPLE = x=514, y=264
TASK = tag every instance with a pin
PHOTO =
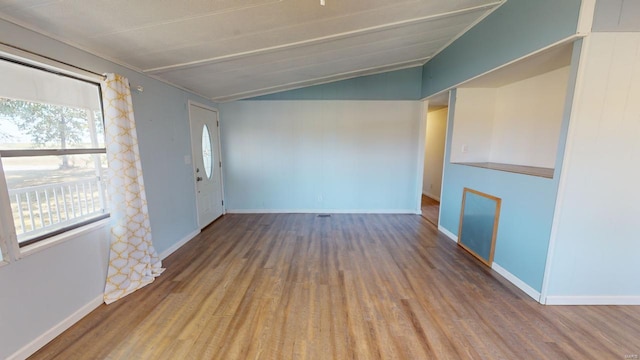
x=133, y=262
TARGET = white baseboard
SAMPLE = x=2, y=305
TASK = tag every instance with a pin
x=500, y=270
x=592, y=300
x=178, y=245
x=58, y=329
x=321, y=211
x=449, y=234
x=517, y=282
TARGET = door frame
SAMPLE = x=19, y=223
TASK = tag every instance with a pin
x=193, y=164
x=421, y=147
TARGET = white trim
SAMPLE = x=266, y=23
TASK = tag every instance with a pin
x=446, y=146
x=448, y=233
x=564, y=41
x=8, y=239
x=179, y=244
x=221, y=167
x=516, y=281
x=592, y=300
x=500, y=270
x=193, y=163
x=562, y=182
x=58, y=329
x=323, y=211
x=585, y=19
x=422, y=140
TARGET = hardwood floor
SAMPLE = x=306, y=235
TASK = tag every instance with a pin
x=430, y=209
x=284, y=286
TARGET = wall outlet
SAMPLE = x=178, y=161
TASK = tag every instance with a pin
x=465, y=148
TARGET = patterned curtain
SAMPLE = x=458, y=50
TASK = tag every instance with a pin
x=133, y=262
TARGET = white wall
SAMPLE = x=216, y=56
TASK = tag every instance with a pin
x=473, y=125
x=358, y=156
x=434, y=152
x=527, y=120
x=595, y=243
x=518, y=123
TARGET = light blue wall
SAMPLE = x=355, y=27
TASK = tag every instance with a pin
x=43, y=289
x=321, y=156
x=528, y=202
x=525, y=218
x=517, y=28
x=403, y=84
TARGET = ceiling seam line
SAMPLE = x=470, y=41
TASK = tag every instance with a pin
x=317, y=40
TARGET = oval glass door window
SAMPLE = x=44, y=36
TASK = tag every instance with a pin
x=207, y=154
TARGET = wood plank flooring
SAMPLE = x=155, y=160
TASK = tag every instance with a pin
x=430, y=209
x=287, y=286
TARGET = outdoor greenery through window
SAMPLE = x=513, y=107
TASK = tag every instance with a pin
x=52, y=149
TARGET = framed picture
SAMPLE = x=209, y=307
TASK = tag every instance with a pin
x=478, y=229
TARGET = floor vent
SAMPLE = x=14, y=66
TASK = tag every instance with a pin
x=324, y=215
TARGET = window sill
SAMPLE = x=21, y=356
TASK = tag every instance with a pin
x=66, y=236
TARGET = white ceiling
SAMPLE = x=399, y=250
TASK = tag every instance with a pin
x=232, y=49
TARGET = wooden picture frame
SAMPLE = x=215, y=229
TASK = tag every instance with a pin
x=478, y=228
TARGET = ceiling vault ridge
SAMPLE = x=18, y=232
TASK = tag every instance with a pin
x=476, y=22
x=320, y=40
x=322, y=80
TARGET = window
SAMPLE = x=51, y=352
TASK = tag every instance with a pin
x=207, y=154
x=52, y=151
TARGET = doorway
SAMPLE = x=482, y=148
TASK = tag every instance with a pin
x=207, y=165
x=435, y=139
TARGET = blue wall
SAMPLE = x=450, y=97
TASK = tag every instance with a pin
x=528, y=202
x=321, y=156
x=402, y=84
x=517, y=28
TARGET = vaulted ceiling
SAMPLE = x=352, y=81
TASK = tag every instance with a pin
x=233, y=49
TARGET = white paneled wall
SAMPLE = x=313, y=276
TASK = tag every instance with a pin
x=518, y=123
x=595, y=243
x=307, y=156
x=475, y=112
x=528, y=116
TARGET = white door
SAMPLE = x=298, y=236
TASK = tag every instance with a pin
x=206, y=163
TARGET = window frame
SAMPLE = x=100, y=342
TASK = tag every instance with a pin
x=10, y=248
